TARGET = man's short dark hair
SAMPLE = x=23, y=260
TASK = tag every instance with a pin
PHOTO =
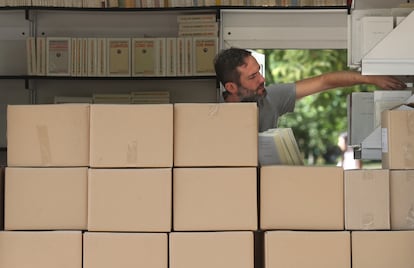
x=226, y=63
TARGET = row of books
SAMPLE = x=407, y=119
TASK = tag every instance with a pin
x=138, y=97
x=168, y=3
x=91, y=56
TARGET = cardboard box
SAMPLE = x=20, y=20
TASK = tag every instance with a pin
x=45, y=249
x=397, y=139
x=301, y=198
x=55, y=135
x=367, y=199
x=402, y=199
x=215, y=134
x=211, y=249
x=108, y=250
x=1, y=198
x=382, y=249
x=46, y=198
x=307, y=249
x=131, y=135
x=130, y=200
x=211, y=199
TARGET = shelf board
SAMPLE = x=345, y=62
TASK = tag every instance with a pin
x=38, y=77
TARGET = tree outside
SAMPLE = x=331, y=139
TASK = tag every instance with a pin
x=318, y=119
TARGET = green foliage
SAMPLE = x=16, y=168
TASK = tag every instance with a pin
x=320, y=118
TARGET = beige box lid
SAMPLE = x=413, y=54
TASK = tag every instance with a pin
x=48, y=135
x=301, y=198
x=131, y=135
x=367, y=199
x=46, y=198
x=308, y=249
x=211, y=249
x=46, y=249
x=214, y=199
x=108, y=250
x=215, y=134
x=136, y=200
x=382, y=249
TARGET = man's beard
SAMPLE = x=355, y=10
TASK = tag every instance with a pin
x=253, y=97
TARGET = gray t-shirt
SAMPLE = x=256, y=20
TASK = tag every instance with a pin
x=280, y=99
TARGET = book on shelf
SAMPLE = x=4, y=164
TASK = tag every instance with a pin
x=92, y=56
x=101, y=52
x=31, y=55
x=180, y=56
x=147, y=97
x=144, y=56
x=205, y=49
x=41, y=55
x=171, y=56
x=71, y=99
x=73, y=55
x=188, y=56
x=58, y=56
x=199, y=18
x=119, y=56
x=161, y=56
x=112, y=98
x=84, y=65
x=278, y=146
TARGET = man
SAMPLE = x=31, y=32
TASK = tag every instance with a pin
x=238, y=71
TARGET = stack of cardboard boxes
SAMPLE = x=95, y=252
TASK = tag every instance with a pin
x=178, y=186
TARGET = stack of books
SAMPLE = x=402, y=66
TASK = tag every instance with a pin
x=278, y=146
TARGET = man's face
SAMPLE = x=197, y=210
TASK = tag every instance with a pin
x=251, y=87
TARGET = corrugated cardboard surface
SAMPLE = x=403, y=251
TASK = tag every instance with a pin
x=131, y=135
x=301, y=198
x=47, y=249
x=48, y=135
x=402, y=199
x=307, y=249
x=215, y=134
x=367, y=199
x=382, y=249
x=108, y=250
x=1, y=198
x=397, y=139
x=211, y=249
x=211, y=199
x=136, y=200
x=46, y=198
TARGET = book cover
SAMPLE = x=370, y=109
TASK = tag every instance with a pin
x=74, y=56
x=58, y=55
x=144, y=62
x=119, y=56
x=205, y=49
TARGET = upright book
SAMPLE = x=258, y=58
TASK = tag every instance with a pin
x=119, y=59
x=144, y=56
x=205, y=49
x=58, y=56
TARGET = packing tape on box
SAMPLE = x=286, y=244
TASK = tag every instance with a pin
x=213, y=109
x=44, y=143
x=408, y=151
x=410, y=123
x=367, y=221
x=132, y=152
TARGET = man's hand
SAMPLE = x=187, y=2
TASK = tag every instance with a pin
x=386, y=82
